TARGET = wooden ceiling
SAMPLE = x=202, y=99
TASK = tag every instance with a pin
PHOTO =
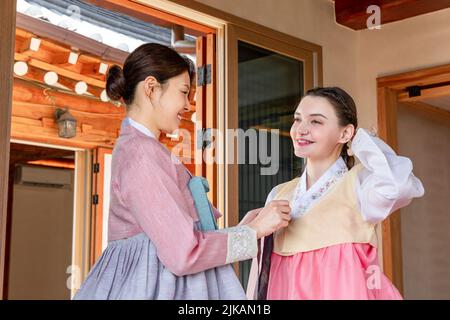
x=35, y=102
x=23, y=154
x=52, y=56
x=352, y=13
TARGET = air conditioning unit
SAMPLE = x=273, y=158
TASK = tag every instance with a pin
x=43, y=176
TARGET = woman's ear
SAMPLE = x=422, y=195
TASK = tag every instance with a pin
x=347, y=133
x=150, y=83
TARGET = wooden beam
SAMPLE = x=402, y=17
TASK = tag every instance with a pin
x=52, y=52
x=7, y=40
x=429, y=93
x=24, y=129
x=98, y=123
x=93, y=70
x=54, y=163
x=152, y=15
x=62, y=71
x=353, y=13
x=211, y=116
x=62, y=58
x=422, y=77
x=32, y=44
x=23, y=152
x=200, y=109
x=63, y=37
x=29, y=95
x=428, y=111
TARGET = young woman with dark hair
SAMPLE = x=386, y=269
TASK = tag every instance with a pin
x=156, y=249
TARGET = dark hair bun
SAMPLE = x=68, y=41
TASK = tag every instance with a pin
x=115, y=83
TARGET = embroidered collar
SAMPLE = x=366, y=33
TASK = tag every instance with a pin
x=303, y=198
x=128, y=121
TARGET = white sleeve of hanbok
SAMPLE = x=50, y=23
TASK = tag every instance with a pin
x=386, y=182
x=271, y=194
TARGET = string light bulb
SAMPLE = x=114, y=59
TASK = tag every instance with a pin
x=51, y=78
x=20, y=68
x=103, y=96
x=81, y=87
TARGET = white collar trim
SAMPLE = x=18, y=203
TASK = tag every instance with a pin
x=128, y=121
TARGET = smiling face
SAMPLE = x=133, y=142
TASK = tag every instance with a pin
x=316, y=133
x=171, y=101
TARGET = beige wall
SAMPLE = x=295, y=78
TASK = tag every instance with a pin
x=311, y=20
x=41, y=242
x=353, y=59
x=426, y=221
x=407, y=45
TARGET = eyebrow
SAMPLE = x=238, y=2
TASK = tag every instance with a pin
x=312, y=115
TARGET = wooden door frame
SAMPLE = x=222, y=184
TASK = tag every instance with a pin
x=7, y=38
x=81, y=193
x=97, y=212
x=310, y=54
x=391, y=90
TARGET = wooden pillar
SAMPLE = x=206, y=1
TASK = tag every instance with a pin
x=391, y=227
x=7, y=39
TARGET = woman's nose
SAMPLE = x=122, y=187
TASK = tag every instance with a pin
x=302, y=129
x=187, y=105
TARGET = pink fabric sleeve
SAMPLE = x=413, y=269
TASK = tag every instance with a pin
x=216, y=212
x=149, y=188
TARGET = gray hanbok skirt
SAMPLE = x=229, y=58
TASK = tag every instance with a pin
x=130, y=269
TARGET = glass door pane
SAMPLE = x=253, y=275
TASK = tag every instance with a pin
x=269, y=86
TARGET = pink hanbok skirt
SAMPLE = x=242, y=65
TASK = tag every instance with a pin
x=344, y=271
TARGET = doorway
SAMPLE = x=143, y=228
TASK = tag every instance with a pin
x=426, y=222
x=40, y=224
x=414, y=118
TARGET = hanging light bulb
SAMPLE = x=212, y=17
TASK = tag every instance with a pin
x=81, y=87
x=20, y=68
x=194, y=117
x=51, y=78
x=103, y=96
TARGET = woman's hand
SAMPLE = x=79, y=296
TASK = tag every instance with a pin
x=274, y=216
x=250, y=216
x=373, y=132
